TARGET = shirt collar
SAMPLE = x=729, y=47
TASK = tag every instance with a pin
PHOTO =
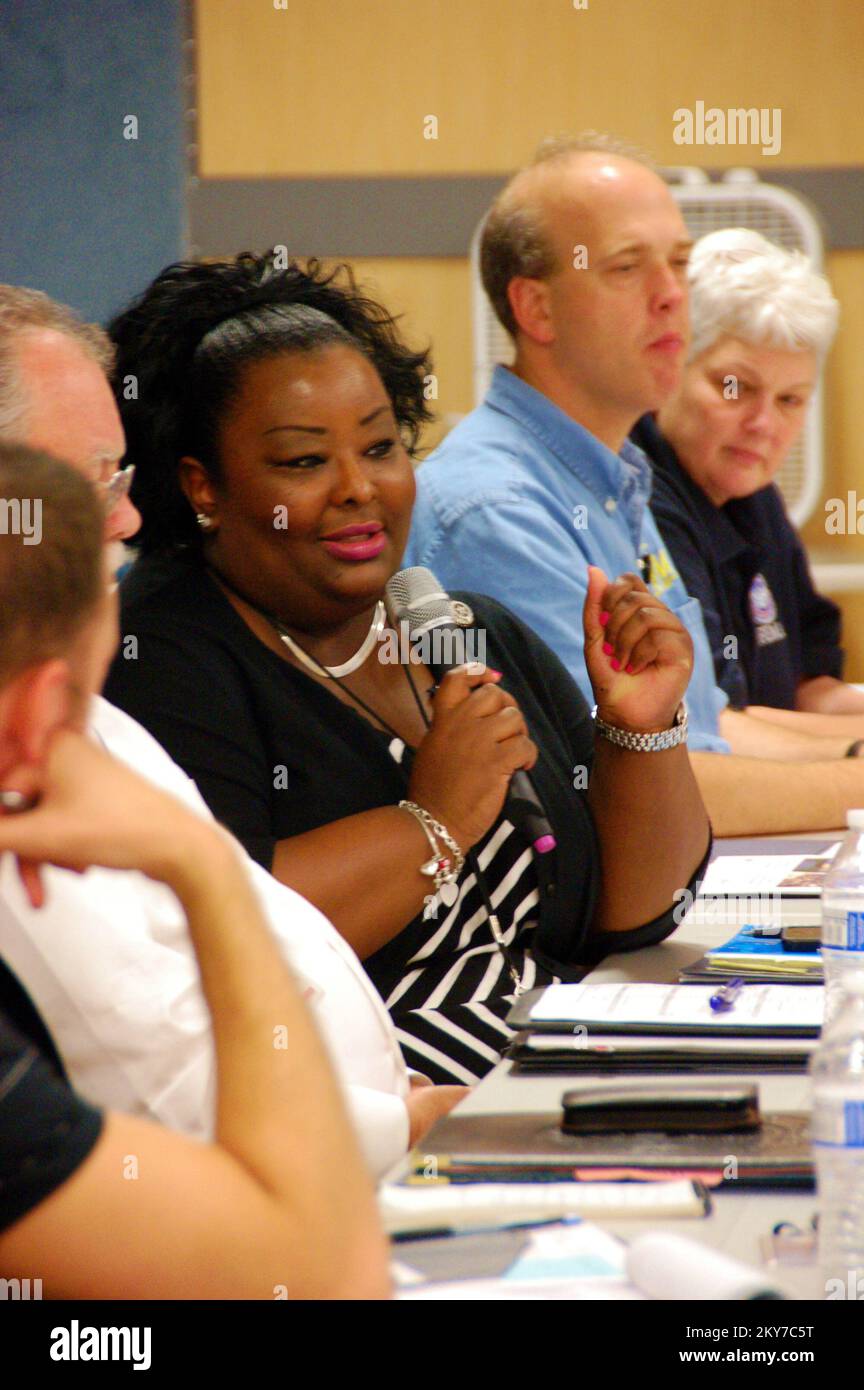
x=605, y=473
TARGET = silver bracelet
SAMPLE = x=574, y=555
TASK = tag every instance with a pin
x=444, y=868
x=645, y=743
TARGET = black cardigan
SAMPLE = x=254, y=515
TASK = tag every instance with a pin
x=274, y=754
x=746, y=565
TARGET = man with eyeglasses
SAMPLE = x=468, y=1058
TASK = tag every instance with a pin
x=108, y=961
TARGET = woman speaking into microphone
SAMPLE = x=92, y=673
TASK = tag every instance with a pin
x=272, y=432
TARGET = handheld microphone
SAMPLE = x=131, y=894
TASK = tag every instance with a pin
x=414, y=597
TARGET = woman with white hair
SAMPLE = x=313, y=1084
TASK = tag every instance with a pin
x=762, y=323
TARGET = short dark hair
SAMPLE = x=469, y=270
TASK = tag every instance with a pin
x=515, y=240
x=48, y=589
x=187, y=340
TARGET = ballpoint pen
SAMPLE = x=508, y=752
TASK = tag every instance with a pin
x=725, y=996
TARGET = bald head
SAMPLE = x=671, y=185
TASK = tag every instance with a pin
x=55, y=395
x=584, y=257
x=67, y=409
x=563, y=185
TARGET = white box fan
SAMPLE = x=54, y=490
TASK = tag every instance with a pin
x=740, y=200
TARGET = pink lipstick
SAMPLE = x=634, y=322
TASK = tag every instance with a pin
x=363, y=540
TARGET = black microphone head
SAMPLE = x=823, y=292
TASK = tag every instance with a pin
x=416, y=597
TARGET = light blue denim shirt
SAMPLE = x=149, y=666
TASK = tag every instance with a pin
x=519, y=499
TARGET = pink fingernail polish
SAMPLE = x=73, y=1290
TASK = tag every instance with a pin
x=494, y=672
x=615, y=664
x=608, y=648
x=629, y=668
x=604, y=618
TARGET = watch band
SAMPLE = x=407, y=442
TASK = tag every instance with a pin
x=645, y=743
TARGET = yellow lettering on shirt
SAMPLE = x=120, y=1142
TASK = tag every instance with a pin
x=663, y=572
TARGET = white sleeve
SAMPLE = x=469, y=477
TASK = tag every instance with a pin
x=381, y=1121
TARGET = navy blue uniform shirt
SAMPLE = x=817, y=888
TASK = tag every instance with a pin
x=767, y=626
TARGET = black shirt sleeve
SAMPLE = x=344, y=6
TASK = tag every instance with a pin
x=46, y=1130
x=194, y=697
x=819, y=617
x=570, y=719
x=691, y=562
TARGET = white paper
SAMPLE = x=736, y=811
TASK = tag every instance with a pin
x=758, y=1005
x=642, y=1042
x=494, y=1204
x=792, y=875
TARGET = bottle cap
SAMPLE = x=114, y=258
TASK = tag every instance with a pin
x=855, y=819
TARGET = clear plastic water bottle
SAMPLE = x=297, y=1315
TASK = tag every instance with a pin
x=843, y=916
x=838, y=1073
x=838, y=1143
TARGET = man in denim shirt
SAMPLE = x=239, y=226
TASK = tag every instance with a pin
x=520, y=499
x=584, y=258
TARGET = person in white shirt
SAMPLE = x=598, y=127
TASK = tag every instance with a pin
x=278, y=1203
x=109, y=962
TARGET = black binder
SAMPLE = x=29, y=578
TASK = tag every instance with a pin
x=533, y=1148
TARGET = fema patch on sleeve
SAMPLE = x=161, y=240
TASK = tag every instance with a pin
x=763, y=613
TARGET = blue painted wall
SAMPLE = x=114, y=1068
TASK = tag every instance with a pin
x=85, y=214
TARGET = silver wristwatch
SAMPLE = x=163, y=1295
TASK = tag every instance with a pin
x=645, y=743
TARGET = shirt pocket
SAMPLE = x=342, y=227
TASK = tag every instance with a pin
x=705, y=699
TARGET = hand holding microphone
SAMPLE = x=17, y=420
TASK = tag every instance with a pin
x=477, y=740
x=460, y=742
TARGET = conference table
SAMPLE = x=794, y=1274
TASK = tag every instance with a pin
x=738, y=1219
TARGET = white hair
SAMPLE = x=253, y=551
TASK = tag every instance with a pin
x=22, y=311
x=747, y=287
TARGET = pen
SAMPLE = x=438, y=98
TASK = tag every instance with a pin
x=522, y=1224
x=726, y=995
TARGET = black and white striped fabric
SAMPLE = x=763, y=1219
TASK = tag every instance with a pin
x=456, y=988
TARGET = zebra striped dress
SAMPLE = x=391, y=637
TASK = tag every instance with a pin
x=275, y=755
x=456, y=987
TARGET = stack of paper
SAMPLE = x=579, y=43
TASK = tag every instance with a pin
x=765, y=889
x=756, y=958
x=780, y=1011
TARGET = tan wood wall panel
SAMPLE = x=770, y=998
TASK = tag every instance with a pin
x=844, y=444
x=343, y=87
x=433, y=297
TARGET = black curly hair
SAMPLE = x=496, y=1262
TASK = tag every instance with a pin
x=183, y=345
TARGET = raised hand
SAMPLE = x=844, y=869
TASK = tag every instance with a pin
x=638, y=654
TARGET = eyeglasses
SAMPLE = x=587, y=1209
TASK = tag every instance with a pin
x=115, y=488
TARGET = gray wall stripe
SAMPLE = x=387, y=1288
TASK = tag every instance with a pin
x=426, y=216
